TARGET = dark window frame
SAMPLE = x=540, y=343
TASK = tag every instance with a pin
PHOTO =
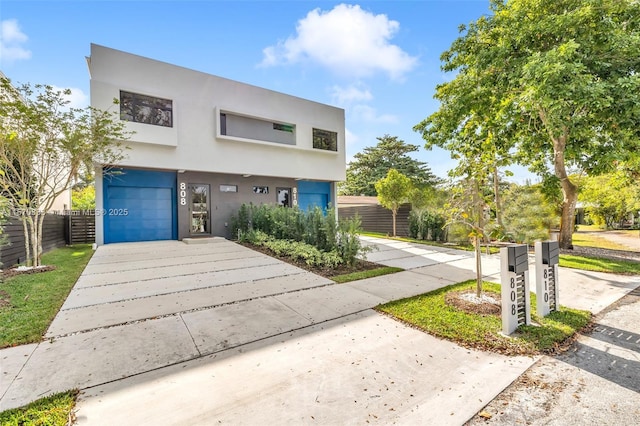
x=287, y=200
x=145, y=109
x=326, y=140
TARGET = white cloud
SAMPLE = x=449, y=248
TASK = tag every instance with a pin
x=77, y=98
x=11, y=41
x=353, y=98
x=352, y=93
x=369, y=114
x=347, y=40
x=350, y=137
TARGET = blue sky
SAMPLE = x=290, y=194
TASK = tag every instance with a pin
x=379, y=60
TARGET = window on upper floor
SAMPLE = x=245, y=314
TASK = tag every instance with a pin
x=325, y=139
x=146, y=109
x=257, y=129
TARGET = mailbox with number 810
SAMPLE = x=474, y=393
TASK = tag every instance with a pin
x=514, y=276
x=547, y=256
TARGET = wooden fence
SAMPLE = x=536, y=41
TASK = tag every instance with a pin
x=53, y=236
x=57, y=231
x=81, y=227
x=376, y=218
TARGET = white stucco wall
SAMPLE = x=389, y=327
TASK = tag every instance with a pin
x=194, y=142
x=62, y=202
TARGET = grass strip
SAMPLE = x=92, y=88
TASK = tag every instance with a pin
x=53, y=410
x=31, y=301
x=354, y=276
x=429, y=312
x=597, y=264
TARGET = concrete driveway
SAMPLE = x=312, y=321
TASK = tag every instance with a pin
x=174, y=333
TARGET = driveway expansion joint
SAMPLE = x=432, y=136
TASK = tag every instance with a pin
x=191, y=335
x=187, y=311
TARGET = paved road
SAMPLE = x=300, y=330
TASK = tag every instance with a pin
x=621, y=237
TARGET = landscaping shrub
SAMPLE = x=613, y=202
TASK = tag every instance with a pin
x=425, y=225
x=315, y=228
x=458, y=233
x=296, y=250
x=349, y=245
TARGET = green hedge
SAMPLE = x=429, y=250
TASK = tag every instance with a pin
x=425, y=225
x=336, y=239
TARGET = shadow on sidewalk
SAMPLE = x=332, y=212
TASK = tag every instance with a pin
x=618, y=357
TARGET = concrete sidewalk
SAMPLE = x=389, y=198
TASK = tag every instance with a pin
x=217, y=331
x=596, y=382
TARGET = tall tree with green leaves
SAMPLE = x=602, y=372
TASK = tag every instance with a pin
x=393, y=191
x=527, y=225
x=560, y=79
x=610, y=198
x=83, y=198
x=44, y=146
x=373, y=163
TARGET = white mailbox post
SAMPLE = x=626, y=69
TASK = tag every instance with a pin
x=547, y=256
x=514, y=278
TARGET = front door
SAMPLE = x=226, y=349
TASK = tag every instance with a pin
x=199, y=209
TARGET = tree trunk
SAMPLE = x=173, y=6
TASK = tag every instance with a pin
x=478, y=206
x=478, y=267
x=27, y=245
x=39, y=235
x=569, y=192
x=496, y=193
x=393, y=214
x=34, y=242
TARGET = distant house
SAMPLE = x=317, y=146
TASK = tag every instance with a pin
x=204, y=145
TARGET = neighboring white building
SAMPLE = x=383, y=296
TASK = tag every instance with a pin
x=203, y=146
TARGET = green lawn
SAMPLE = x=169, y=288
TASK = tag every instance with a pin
x=33, y=300
x=597, y=264
x=432, y=314
x=354, y=276
x=54, y=410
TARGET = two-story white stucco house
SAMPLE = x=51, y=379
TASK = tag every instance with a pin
x=202, y=146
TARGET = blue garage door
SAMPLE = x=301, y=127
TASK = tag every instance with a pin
x=140, y=205
x=312, y=194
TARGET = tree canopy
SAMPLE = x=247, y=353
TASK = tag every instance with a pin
x=44, y=146
x=610, y=198
x=555, y=83
x=393, y=190
x=373, y=163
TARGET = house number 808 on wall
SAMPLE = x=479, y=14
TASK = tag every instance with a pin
x=183, y=194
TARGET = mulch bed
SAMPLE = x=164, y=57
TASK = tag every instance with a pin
x=361, y=265
x=455, y=299
x=13, y=272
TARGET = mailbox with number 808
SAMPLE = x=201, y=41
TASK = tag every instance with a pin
x=514, y=276
x=547, y=256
